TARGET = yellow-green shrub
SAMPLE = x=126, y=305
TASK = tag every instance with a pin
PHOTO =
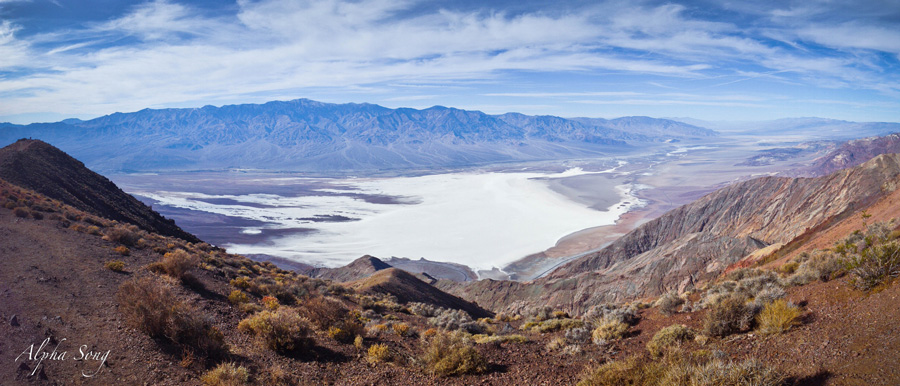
x=282, y=330
x=669, y=337
x=226, y=374
x=447, y=354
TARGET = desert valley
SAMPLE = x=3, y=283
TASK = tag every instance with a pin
x=366, y=192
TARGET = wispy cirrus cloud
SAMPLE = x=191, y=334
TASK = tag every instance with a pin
x=168, y=53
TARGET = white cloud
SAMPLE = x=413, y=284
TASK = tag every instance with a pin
x=276, y=47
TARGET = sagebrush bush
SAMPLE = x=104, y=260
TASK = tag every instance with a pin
x=730, y=314
x=282, y=331
x=226, y=374
x=603, y=312
x=552, y=325
x=778, y=317
x=821, y=265
x=578, y=334
x=608, y=330
x=447, y=354
x=669, y=337
x=668, y=304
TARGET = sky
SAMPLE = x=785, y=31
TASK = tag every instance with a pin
x=710, y=60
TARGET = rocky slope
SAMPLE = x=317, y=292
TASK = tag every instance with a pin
x=853, y=153
x=45, y=169
x=696, y=242
x=305, y=135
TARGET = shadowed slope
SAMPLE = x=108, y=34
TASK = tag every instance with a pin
x=38, y=166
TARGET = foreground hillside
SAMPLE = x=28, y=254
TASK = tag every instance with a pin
x=153, y=309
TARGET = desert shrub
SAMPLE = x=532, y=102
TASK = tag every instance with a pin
x=242, y=282
x=176, y=264
x=146, y=304
x=422, y=309
x=572, y=349
x=323, y=312
x=681, y=369
x=555, y=344
x=115, y=265
x=560, y=314
x=151, y=306
x=603, y=312
x=487, y=339
x=358, y=342
x=401, y=329
x=789, y=268
x=270, y=303
x=226, y=374
x=238, y=297
x=668, y=304
x=450, y=319
x=378, y=353
x=821, y=265
x=447, y=354
x=123, y=235
x=346, y=331
x=777, y=317
x=609, y=329
x=21, y=212
x=578, y=334
x=552, y=325
x=282, y=331
x=728, y=315
x=669, y=337
x=122, y=250
x=36, y=215
x=769, y=294
x=874, y=264
x=541, y=313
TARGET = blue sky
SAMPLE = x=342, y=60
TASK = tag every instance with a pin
x=713, y=60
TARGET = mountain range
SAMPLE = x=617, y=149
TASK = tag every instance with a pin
x=305, y=135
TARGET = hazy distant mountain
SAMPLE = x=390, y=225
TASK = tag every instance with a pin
x=809, y=128
x=314, y=136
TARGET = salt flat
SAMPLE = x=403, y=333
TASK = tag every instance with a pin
x=479, y=219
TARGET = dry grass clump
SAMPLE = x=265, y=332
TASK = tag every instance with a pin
x=401, y=329
x=115, y=265
x=681, y=369
x=226, y=374
x=122, y=250
x=668, y=338
x=378, y=353
x=150, y=306
x=447, y=354
x=282, y=331
x=669, y=303
x=778, y=317
x=609, y=329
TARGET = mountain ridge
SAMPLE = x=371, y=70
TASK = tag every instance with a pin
x=306, y=135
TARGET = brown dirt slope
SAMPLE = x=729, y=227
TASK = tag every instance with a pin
x=38, y=166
